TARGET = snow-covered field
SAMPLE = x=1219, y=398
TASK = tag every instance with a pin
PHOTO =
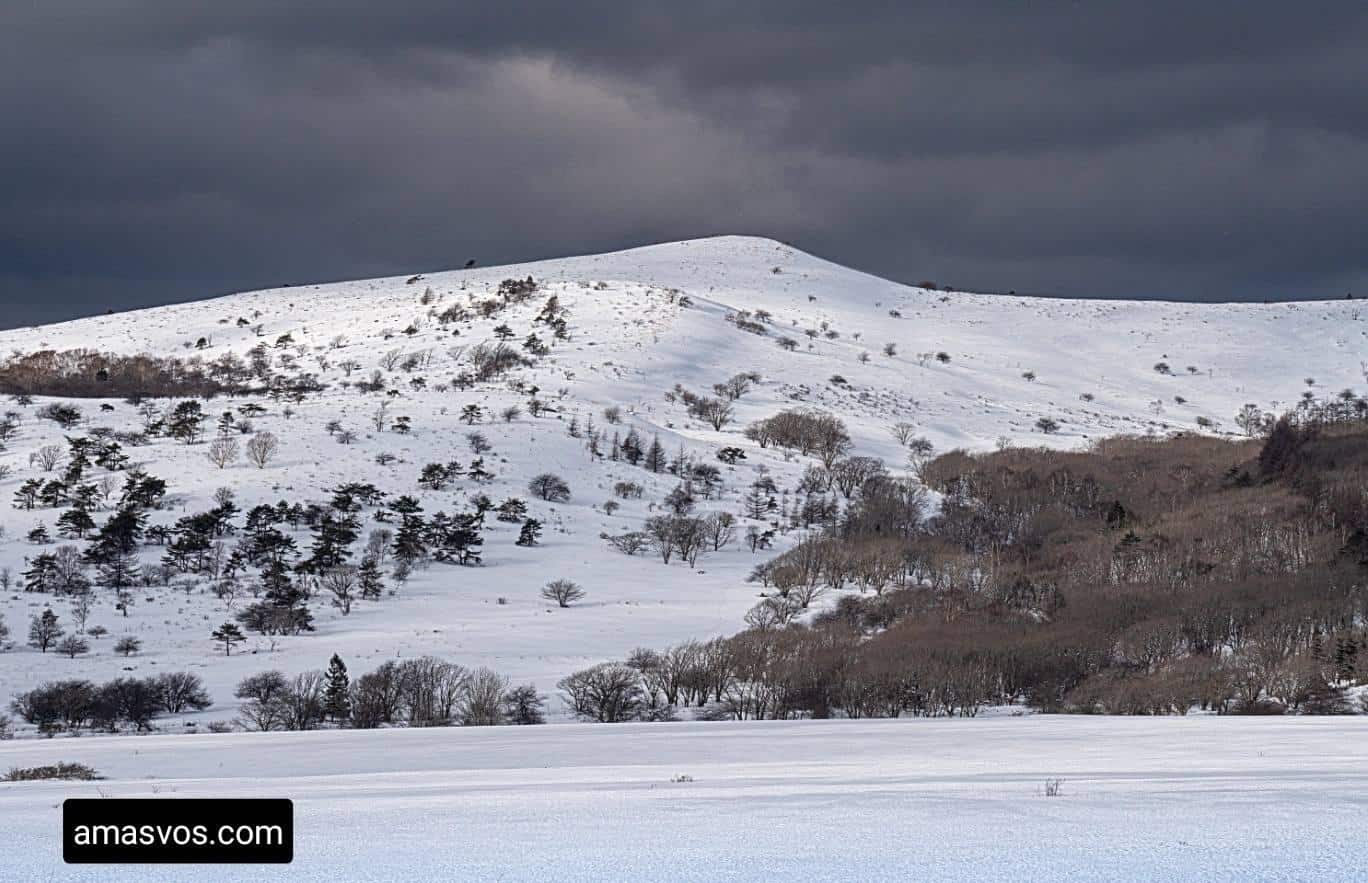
x=1202, y=798
x=640, y=322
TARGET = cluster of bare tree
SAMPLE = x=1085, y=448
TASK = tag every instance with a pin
x=1142, y=576
x=685, y=536
x=808, y=432
x=84, y=373
x=74, y=704
x=421, y=692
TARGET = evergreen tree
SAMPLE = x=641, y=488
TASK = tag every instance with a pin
x=186, y=422
x=332, y=541
x=26, y=497
x=142, y=491
x=409, y=543
x=530, y=533
x=336, y=698
x=370, y=582
x=757, y=503
x=54, y=493
x=75, y=523
x=119, y=572
x=632, y=450
x=41, y=575
x=119, y=535
x=482, y=505
x=477, y=470
x=282, y=610
x=229, y=634
x=512, y=510
x=655, y=456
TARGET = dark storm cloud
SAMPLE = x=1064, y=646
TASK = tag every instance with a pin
x=169, y=150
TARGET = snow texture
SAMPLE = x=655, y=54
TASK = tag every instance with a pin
x=1205, y=798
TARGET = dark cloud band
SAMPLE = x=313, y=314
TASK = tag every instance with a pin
x=160, y=151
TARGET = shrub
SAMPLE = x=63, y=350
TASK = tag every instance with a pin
x=60, y=771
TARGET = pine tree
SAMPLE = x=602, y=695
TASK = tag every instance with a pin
x=42, y=574
x=530, y=533
x=655, y=456
x=370, y=582
x=757, y=503
x=119, y=572
x=186, y=422
x=26, y=497
x=631, y=447
x=512, y=510
x=229, y=634
x=75, y=523
x=409, y=542
x=336, y=700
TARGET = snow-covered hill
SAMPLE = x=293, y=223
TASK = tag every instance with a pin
x=967, y=370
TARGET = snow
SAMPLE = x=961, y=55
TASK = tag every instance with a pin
x=1203, y=798
x=631, y=341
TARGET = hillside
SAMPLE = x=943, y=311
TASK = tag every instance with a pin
x=965, y=370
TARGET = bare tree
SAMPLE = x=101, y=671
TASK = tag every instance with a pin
x=47, y=457
x=563, y=592
x=903, y=431
x=223, y=451
x=341, y=583
x=717, y=412
x=549, y=487
x=72, y=646
x=82, y=603
x=482, y=704
x=262, y=448
x=721, y=528
x=607, y=693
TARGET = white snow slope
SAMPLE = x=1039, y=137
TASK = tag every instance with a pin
x=632, y=339
x=1207, y=798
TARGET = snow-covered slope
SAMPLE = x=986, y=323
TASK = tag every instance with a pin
x=640, y=321
x=1177, y=798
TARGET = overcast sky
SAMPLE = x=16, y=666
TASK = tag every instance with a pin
x=160, y=150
